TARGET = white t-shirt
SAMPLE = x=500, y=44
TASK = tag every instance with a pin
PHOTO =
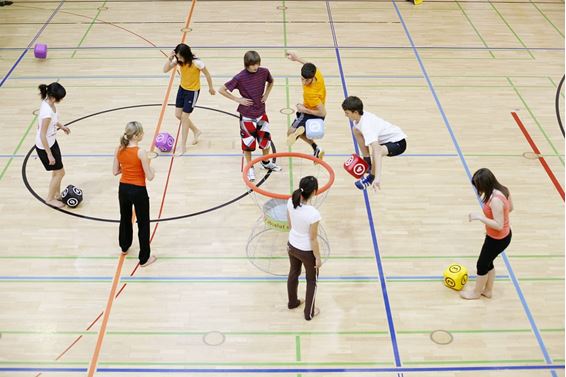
x=376, y=129
x=45, y=111
x=301, y=219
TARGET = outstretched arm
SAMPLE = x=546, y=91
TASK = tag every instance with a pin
x=292, y=55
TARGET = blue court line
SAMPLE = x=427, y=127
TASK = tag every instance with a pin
x=233, y=47
x=381, y=273
x=108, y=155
x=534, y=327
x=223, y=278
x=291, y=370
x=30, y=43
x=214, y=76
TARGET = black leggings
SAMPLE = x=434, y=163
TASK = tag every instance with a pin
x=490, y=250
x=137, y=196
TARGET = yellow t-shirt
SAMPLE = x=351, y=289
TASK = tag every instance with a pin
x=314, y=94
x=190, y=75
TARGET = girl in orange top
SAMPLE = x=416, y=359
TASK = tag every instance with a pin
x=133, y=163
x=497, y=204
x=187, y=95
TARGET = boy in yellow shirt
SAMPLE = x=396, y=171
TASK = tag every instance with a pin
x=313, y=106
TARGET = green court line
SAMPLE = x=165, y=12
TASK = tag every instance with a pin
x=540, y=127
x=89, y=28
x=287, y=97
x=556, y=86
x=313, y=58
x=549, y=21
x=296, y=334
x=298, y=348
x=473, y=26
x=18, y=147
x=512, y=31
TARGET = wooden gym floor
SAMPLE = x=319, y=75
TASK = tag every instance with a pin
x=472, y=83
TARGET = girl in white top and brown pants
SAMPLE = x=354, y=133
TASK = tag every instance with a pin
x=303, y=245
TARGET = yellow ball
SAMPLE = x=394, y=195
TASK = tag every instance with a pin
x=455, y=276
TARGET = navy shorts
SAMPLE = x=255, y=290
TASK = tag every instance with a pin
x=396, y=148
x=186, y=99
x=301, y=120
x=56, y=152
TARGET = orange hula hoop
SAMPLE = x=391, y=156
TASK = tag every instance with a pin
x=274, y=195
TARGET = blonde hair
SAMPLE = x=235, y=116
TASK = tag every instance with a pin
x=133, y=128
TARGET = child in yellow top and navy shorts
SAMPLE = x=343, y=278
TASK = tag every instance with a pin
x=313, y=106
x=187, y=95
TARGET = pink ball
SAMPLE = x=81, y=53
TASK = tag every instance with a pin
x=164, y=142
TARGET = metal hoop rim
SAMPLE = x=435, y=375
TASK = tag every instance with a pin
x=275, y=195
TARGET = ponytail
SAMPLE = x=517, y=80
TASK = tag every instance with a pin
x=133, y=128
x=54, y=90
x=307, y=187
x=43, y=91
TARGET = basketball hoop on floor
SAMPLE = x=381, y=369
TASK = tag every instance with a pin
x=267, y=244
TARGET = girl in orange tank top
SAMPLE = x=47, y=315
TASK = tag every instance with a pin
x=133, y=164
x=497, y=204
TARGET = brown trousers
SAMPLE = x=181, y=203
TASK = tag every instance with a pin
x=297, y=258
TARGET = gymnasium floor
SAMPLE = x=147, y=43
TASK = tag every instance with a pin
x=472, y=83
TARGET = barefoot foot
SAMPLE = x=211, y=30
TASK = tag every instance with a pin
x=470, y=295
x=197, y=135
x=55, y=203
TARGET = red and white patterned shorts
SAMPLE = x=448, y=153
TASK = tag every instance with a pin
x=255, y=129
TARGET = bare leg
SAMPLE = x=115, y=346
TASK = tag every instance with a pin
x=293, y=134
x=488, y=290
x=185, y=119
x=248, y=156
x=474, y=294
x=55, y=188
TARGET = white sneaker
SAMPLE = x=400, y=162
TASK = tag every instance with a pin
x=251, y=174
x=271, y=166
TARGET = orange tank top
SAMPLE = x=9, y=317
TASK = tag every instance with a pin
x=131, y=165
x=493, y=233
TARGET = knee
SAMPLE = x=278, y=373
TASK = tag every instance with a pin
x=482, y=268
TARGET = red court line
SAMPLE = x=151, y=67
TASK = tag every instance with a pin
x=113, y=295
x=540, y=158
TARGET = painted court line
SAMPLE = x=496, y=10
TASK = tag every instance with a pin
x=514, y=279
x=218, y=371
x=113, y=295
x=541, y=159
x=282, y=47
x=382, y=280
x=26, y=49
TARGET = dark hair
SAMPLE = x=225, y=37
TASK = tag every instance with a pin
x=54, y=90
x=185, y=51
x=251, y=58
x=307, y=187
x=485, y=182
x=352, y=104
x=308, y=71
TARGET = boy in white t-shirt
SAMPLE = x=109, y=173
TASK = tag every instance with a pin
x=370, y=130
